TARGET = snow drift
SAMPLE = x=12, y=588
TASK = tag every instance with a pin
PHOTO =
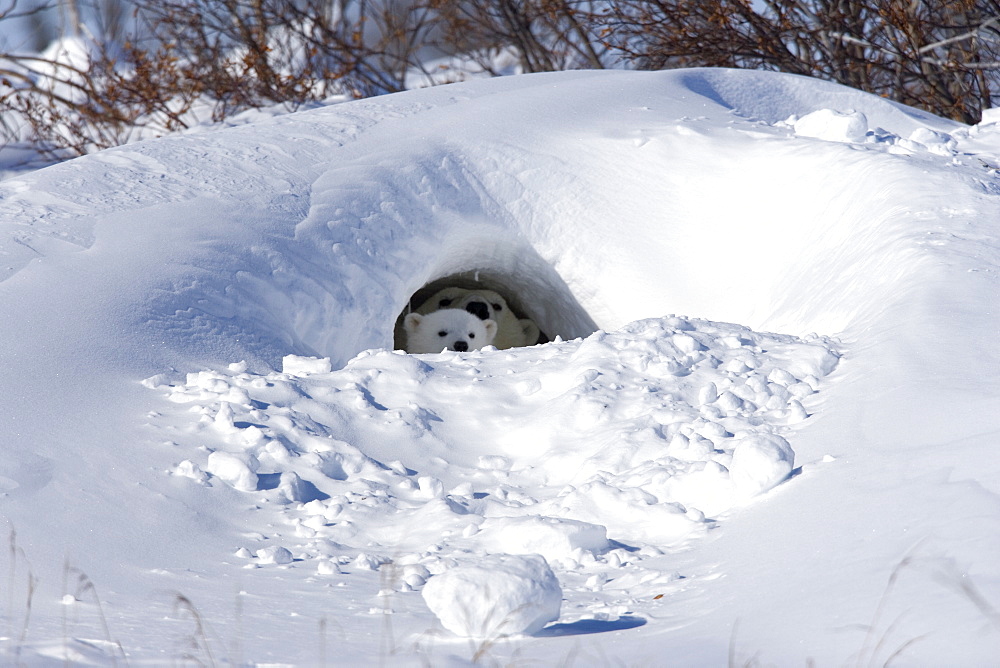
x=252, y=279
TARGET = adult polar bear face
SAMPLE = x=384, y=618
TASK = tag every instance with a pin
x=451, y=329
x=487, y=305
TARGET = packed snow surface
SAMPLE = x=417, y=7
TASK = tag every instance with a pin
x=763, y=427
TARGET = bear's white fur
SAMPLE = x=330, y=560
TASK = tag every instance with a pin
x=487, y=304
x=450, y=328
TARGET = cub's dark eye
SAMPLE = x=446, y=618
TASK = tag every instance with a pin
x=497, y=307
x=444, y=302
x=472, y=335
x=442, y=333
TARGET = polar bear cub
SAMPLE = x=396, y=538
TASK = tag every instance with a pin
x=487, y=304
x=450, y=328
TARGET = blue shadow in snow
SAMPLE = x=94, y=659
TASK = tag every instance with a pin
x=584, y=627
x=309, y=491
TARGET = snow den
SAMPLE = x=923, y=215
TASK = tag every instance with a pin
x=534, y=292
x=197, y=367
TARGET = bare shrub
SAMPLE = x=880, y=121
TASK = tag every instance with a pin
x=547, y=35
x=218, y=57
x=67, y=106
x=178, y=62
x=941, y=56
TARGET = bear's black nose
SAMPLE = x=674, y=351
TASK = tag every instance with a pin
x=478, y=309
x=461, y=346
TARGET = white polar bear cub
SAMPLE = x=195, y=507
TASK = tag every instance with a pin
x=450, y=328
x=487, y=304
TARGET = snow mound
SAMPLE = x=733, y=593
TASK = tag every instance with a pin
x=760, y=461
x=254, y=276
x=498, y=595
x=275, y=555
x=643, y=437
x=239, y=470
x=832, y=125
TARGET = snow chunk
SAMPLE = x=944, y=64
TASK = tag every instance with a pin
x=760, y=461
x=500, y=595
x=940, y=143
x=328, y=567
x=553, y=538
x=274, y=555
x=368, y=562
x=635, y=515
x=295, y=365
x=188, y=469
x=831, y=125
x=239, y=470
x=292, y=489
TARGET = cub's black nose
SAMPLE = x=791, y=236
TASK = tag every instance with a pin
x=461, y=346
x=478, y=309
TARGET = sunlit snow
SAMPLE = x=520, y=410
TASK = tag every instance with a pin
x=762, y=427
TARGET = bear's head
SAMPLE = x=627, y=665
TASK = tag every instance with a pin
x=451, y=329
x=484, y=304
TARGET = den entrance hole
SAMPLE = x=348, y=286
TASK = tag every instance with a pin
x=541, y=305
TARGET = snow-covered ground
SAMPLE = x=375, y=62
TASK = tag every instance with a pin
x=763, y=430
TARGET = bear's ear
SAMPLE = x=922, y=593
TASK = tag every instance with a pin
x=531, y=331
x=491, y=330
x=411, y=322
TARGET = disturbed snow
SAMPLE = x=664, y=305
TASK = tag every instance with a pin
x=640, y=437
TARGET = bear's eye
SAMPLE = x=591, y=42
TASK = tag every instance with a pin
x=444, y=302
x=443, y=333
x=497, y=307
x=472, y=335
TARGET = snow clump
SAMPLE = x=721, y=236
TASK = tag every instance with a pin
x=760, y=461
x=499, y=595
x=275, y=555
x=237, y=469
x=555, y=539
x=831, y=125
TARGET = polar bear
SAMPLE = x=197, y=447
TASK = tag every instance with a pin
x=450, y=328
x=487, y=304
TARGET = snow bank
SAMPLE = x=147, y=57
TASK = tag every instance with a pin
x=374, y=201
x=254, y=277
